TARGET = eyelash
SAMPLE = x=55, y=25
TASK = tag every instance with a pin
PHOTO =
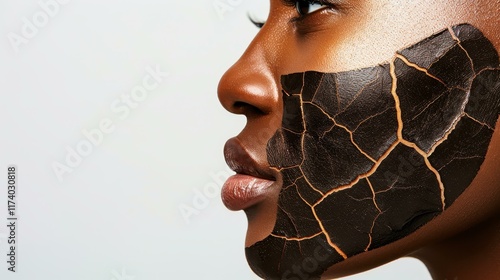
x=259, y=24
x=292, y=3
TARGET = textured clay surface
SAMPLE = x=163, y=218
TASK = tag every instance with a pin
x=368, y=156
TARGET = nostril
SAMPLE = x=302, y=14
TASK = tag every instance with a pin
x=247, y=109
x=240, y=104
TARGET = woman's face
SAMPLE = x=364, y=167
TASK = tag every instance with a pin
x=370, y=132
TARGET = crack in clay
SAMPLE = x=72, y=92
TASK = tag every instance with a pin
x=429, y=165
x=344, y=128
x=297, y=239
x=328, y=238
x=479, y=122
x=301, y=197
x=394, y=89
x=452, y=33
x=369, y=118
x=460, y=158
x=289, y=216
x=413, y=65
x=360, y=177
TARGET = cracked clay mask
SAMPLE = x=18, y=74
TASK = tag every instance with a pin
x=369, y=156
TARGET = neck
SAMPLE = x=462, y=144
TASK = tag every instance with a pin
x=473, y=254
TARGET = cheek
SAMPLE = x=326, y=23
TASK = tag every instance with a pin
x=369, y=156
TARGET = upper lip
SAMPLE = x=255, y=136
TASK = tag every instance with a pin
x=240, y=161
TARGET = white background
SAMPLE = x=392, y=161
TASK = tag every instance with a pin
x=116, y=215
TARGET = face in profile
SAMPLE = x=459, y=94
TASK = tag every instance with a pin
x=371, y=135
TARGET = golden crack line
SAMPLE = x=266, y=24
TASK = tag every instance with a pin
x=346, y=129
x=296, y=180
x=359, y=199
x=303, y=84
x=284, y=168
x=357, y=95
x=281, y=169
x=454, y=36
x=303, y=146
x=374, y=220
x=382, y=158
x=290, y=218
x=388, y=189
x=371, y=232
x=470, y=59
x=440, y=181
x=319, y=85
x=325, y=113
x=413, y=65
x=337, y=93
x=487, y=69
x=321, y=109
x=300, y=195
x=479, y=122
x=396, y=98
x=309, y=183
x=295, y=238
x=431, y=168
x=374, y=195
x=371, y=117
x=291, y=131
x=276, y=168
x=329, y=130
x=471, y=157
x=445, y=137
x=428, y=105
x=362, y=176
x=328, y=238
x=354, y=143
x=303, y=134
x=304, y=125
x=287, y=187
x=458, y=158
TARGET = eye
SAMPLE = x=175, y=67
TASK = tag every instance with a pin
x=305, y=7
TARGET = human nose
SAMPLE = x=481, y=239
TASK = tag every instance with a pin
x=249, y=87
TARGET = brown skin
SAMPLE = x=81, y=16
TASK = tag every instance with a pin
x=463, y=242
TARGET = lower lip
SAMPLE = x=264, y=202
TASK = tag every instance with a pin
x=242, y=191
